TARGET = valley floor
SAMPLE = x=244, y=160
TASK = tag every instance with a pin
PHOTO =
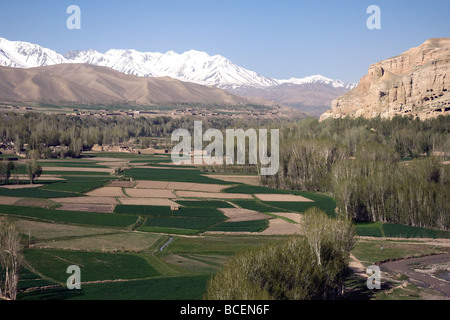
x=155, y=231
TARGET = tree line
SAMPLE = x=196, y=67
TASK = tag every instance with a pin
x=39, y=131
x=361, y=163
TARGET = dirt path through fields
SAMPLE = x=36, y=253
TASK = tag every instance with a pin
x=357, y=267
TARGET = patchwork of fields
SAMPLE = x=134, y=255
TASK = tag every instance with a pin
x=112, y=223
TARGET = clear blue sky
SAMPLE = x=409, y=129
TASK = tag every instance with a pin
x=280, y=39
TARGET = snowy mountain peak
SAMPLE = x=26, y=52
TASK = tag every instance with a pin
x=336, y=83
x=191, y=66
x=19, y=54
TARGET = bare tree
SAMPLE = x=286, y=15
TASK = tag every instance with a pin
x=321, y=230
x=314, y=228
x=10, y=258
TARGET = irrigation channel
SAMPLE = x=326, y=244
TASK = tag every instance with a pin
x=166, y=244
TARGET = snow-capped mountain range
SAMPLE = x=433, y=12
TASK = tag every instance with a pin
x=335, y=83
x=190, y=66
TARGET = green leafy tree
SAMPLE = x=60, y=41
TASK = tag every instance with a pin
x=6, y=168
x=301, y=268
x=34, y=170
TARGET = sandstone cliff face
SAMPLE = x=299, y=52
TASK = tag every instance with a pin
x=417, y=83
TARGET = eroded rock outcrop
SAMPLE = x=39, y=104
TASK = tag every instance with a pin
x=416, y=82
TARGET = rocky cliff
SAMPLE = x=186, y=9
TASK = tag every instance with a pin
x=416, y=82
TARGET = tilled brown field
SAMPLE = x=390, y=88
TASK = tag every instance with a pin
x=9, y=200
x=282, y=198
x=214, y=195
x=87, y=200
x=251, y=180
x=106, y=192
x=148, y=201
x=149, y=193
x=235, y=214
x=22, y=186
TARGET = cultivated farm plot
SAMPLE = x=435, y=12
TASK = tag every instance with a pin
x=87, y=200
x=244, y=227
x=236, y=214
x=78, y=169
x=282, y=198
x=101, y=208
x=106, y=192
x=96, y=265
x=47, y=177
x=250, y=180
x=204, y=187
x=36, y=193
x=206, y=204
x=296, y=217
x=122, y=184
x=214, y=195
x=9, y=200
x=281, y=227
x=36, y=202
x=149, y=193
x=122, y=241
x=186, y=225
x=181, y=175
x=152, y=184
x=275, y=226
x=147, y=201
x=22, y=186
x=49, y=230
x=70, y=217
x=77, y=184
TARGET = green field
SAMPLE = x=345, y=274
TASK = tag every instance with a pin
x=175, y=175
x=190, y=223
x=257, y=205
x=143, y=210
x=322, y=201
x=36, y=193
x=205, y=204
x=241, y=226
x=170, y=288
x=70, y=164
x=75, y=217
x=219, y=245
x=249, y=189
x=76, y=184
x=391, y=230
x=157, y=211
x=52, y=264
x=77, y=173
x=129, y=249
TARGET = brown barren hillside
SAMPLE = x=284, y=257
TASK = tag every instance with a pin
x=94, y=84
x=416, y=82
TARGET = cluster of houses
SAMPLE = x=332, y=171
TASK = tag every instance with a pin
x=127, y=149
x=7, y=148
